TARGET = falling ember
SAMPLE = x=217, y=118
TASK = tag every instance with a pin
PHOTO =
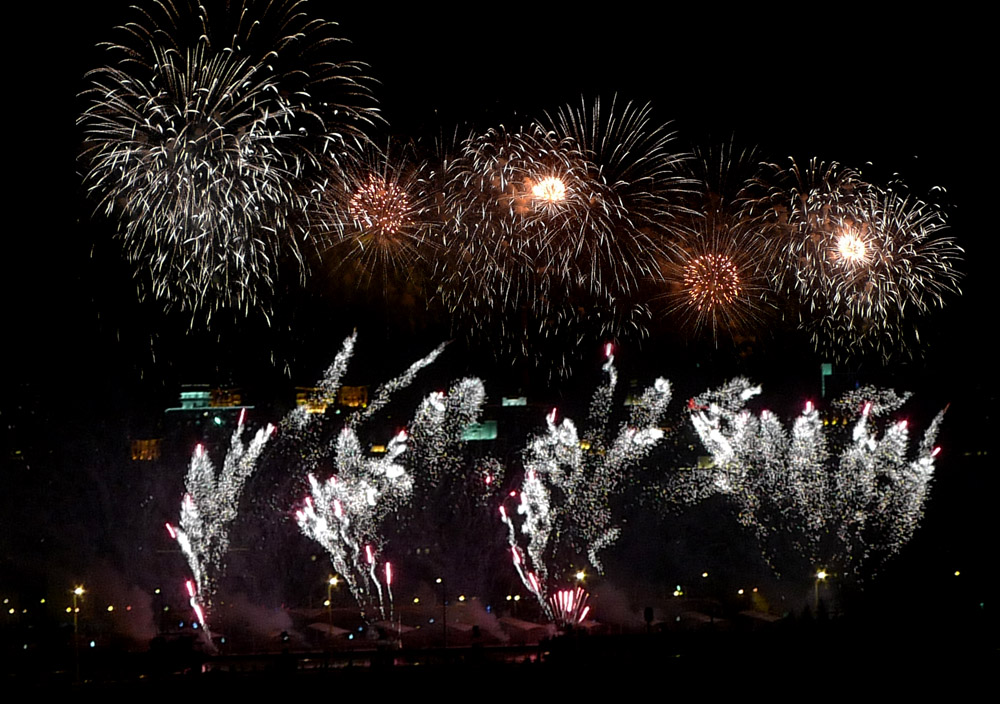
x=851, y=248
x=190, y=588
x=388, y=573
x=368, y=554
x=712, y=281
x=608, y=349
x=550, y=190
x=380, y=205
x=170, y=529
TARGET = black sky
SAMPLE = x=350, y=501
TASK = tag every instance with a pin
x=904, y=90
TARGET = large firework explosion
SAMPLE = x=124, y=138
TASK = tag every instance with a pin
x=569, y=482
x=209, y=509
x=865, y=263
x=554, y=226
x=842, y=489
x=345, y=513
x=207, y=136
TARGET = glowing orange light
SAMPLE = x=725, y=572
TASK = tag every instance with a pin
x=851, y=248
x=712, y=281
x=380, y=205
x=550, y=190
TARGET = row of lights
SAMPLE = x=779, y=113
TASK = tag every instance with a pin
x=334, y=581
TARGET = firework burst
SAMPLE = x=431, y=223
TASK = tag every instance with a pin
x=207, y=136
x=569, y=482
x=380, y=219
x=841, y=492
x=716, y=278
x=715, y=275
x=554, y=226
x=865, y=263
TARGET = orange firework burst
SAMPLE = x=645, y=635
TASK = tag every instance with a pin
x=377, y=216
x=716, y=277
x=716, y=280
x=380, y=206
x=712, y=281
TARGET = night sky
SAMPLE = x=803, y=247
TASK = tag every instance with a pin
x=907, y=93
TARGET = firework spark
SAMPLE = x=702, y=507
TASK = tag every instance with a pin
x=843, y=495
x=206, y=135
x=864, y=262
x=569, y=481
x=209, y=509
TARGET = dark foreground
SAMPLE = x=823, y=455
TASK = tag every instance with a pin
x=782, y=659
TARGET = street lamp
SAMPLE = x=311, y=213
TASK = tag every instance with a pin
x=821, y=576
x=77, y=593
x=444, y=610
x=332, y=582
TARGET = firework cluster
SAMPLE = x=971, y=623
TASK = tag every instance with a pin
x=230, y=143
x=345, y=513
x=564, y=506
x=842, y=492
x=842, y=489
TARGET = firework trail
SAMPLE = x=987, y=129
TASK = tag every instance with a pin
x=865, y=263
x=346, y=512
x=840, y=491
x=569, y=481
x=209, y=134
x=208, y=511
x=553, y=226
